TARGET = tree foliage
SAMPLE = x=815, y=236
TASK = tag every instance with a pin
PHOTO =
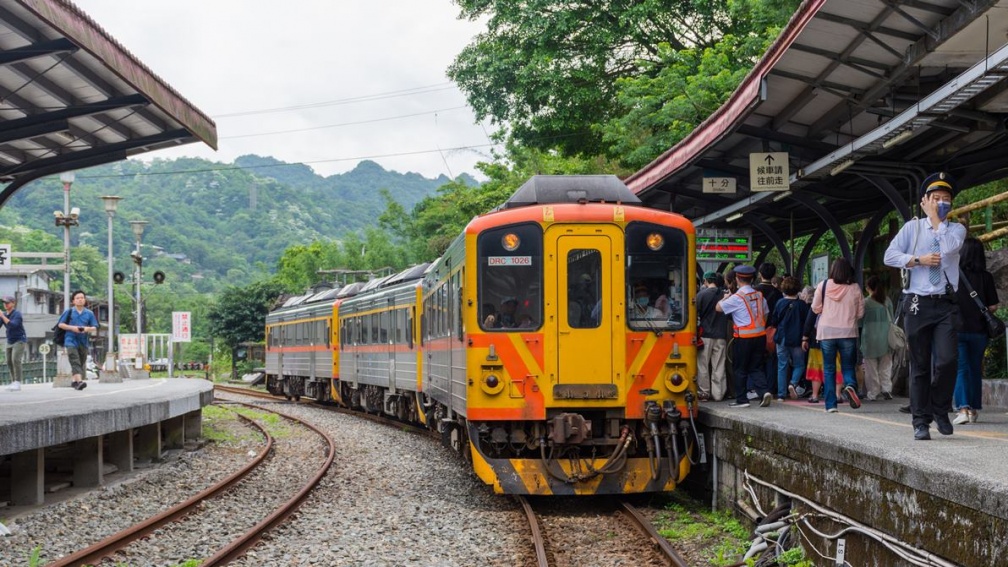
x=239, y=315
x=552, y=73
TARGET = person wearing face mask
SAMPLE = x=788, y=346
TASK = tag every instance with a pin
x=641, y=309
x=929, y=306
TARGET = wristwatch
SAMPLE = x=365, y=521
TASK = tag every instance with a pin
x=917, y=260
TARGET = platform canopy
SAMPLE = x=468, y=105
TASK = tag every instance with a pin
x=72, y=97
x=865, y=98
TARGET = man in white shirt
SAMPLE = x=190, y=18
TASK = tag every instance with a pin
x=929, y=248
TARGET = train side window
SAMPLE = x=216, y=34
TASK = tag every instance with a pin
x=460, y=329
x=383, y=327
x=410, y=316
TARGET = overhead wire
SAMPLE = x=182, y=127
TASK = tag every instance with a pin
x=341, y=124
x=337, y=102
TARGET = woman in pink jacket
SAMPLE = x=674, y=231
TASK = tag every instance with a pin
x=837, y=329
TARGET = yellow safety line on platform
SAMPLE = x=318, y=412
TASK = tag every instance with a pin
x=853, y=413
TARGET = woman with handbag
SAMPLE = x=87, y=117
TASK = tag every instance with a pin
x=840, y=306
x=875, y=341
x=976, y=290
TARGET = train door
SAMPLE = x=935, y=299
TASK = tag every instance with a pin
x=584, y=309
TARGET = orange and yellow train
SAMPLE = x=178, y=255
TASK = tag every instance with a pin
x=552, y=345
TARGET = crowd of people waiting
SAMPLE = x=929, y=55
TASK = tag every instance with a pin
x=783, y=340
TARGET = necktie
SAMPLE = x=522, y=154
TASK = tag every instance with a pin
x=934, y=272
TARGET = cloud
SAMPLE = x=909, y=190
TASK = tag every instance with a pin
x=229, y=57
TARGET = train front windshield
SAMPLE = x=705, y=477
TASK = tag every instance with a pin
x=510, y=278
x=656, y=272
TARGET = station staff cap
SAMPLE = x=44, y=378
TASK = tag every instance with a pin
x=939, y=181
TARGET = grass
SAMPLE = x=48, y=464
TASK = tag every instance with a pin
x=217, y=429
x=720, y=538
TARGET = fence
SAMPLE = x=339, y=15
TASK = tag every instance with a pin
x=32, y=370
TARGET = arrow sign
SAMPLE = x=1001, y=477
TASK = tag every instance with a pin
x=769, y=171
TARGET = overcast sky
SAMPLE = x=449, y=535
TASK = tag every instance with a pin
x=241, y=60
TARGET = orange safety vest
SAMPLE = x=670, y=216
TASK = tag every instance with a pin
x=757, y=320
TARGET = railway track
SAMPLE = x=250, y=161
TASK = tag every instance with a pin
x=552, y=541
x=128, y=544
x=579, y=533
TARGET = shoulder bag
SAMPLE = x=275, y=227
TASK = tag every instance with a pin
x=897, y=336
x=995, y=326
x=59, y=334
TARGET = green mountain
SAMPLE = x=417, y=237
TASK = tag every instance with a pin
x=212, y=223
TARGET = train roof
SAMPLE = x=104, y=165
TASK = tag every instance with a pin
x=552, y=189
x=411, y=273
x=296, y=300
x=350, y=289
x=323, y=295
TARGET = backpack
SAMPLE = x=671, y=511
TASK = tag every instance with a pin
x=59, y=334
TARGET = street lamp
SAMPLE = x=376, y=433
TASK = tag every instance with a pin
x=111, y=202
x=66, y=218
x=138, y=230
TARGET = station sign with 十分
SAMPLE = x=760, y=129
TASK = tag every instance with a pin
x=719, y=185
x=724, y=244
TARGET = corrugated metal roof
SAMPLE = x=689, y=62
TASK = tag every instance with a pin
x=72, y=97
x=842, y=83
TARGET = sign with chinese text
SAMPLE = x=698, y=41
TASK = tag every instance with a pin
x=5, y=257
x=181, y=326
x=719, y=185
x=129, y=346
x=769, y=172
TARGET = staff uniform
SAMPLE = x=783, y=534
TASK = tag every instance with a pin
x=748, y=310
x=931, y=314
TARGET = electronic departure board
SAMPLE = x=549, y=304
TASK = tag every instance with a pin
x=723, y=244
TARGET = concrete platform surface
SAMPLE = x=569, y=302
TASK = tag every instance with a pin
x=969, y=467
x=40, y=415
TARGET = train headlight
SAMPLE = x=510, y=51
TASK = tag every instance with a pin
x=675, y=382
x=491, y=384
x=655, y=241
x=510, y=241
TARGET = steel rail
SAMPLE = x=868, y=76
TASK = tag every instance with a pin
x=239, y=546
x=118, y=541
x=660, y=542
x=537, y=537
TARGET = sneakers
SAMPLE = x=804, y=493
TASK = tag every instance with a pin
x=79, y=385
x=767, y=399
x=905, y=409
x=738, y=405
x=962, y=417
x=752, y=395
x=922, y=433
x=972, y=415
x=887, y=395
x=943, y=423
x=813, y=400
x=852, y=397
x=832, y=410
x=791, y=392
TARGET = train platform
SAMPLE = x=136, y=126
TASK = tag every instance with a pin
x=54, y=438
x=948, y=495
